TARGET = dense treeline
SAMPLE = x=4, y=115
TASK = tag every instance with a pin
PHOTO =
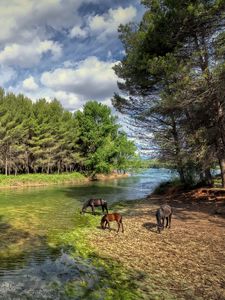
x=43, y=137
x=174, y=76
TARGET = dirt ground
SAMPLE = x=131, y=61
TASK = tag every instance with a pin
x=184, y=262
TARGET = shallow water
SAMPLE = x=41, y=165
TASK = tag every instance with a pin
x=29, y=216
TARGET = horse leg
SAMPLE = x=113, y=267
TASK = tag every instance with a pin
x=109, y=225
x=159, y=226
x=105, y=224
x=118, y=223
x=93, y=209
x=106, y=207
x=170, y=220
x=122, y=225
x=163, y=222
x=167, y=221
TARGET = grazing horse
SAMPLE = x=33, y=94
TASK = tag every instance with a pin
x=162, y=213
x=94, y=203
x=112, y=217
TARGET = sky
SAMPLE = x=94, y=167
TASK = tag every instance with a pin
x=63, y=49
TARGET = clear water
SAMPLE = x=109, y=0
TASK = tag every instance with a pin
x=29, y=216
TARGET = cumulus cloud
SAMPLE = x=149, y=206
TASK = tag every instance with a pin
x=28, y=55
x=91, y=79
x=69, y=100
x=76, y=31
x=6, y=74
x=34, y=40
x=19, y=21
x=107, y=24
x=29, y=84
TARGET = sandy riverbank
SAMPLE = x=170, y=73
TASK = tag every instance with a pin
x=185, y=262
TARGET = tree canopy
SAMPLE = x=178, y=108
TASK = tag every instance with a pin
x=43, y=137
x=172, y=78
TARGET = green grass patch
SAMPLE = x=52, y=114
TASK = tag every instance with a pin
x=40, y=179
x=114, y=281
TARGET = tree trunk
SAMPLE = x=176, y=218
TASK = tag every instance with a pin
x=6, y=165
x=27, y=162
x=180, y=168
x=208, y=177
x=181, y=174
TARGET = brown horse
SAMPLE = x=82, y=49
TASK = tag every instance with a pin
x=162, y=213
x=112, y=217
x=95, y=203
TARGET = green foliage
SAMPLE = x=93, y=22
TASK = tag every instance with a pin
x=175, y=184
x=156, y=163
x=173, y=74
x=43, y=137
x=102, y=146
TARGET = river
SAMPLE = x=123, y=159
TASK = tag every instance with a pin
x=29, y=216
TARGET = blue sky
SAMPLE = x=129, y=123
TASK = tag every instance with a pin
x=63, y=49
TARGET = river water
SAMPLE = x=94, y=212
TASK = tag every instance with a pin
x=29, y=216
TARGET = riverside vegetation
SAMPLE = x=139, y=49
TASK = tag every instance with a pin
x=44, y=138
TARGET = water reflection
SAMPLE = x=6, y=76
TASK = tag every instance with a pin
x=47, y=280
x=131, y=188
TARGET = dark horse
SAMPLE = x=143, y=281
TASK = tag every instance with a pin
x=162, y=213
x=94, y=203
x=112, y=217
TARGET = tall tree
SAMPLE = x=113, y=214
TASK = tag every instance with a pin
x=99, y=138
x=173, y=44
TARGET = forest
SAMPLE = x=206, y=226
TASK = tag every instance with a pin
x=43, y=137
x=172, y=82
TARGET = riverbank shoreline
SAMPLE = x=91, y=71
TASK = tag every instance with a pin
x=42, y=180
x=185, y=262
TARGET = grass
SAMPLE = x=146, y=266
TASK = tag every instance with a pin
x=40, y=179
x=114, y=281
x=97, y=277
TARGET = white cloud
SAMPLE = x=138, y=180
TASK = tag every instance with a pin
x=21, y=20
x=107, y=24
x=28, y=55
x=68, y=64
x=92, y=79
x=6, y=75
x=69, y=100
x=29, y=84
x=76, y=31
